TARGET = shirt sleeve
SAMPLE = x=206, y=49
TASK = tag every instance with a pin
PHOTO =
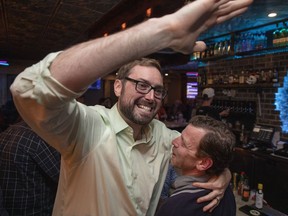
x=51, y=110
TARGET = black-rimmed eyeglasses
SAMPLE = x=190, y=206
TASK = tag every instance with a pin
x=145, y=88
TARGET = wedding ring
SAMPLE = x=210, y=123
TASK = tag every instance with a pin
x=218, y=199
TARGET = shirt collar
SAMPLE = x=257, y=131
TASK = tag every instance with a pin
x=116, y=117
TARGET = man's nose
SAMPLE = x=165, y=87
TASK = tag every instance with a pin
x=175, y=142
x=150, y=95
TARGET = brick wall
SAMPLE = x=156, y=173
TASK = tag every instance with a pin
x=263, y=96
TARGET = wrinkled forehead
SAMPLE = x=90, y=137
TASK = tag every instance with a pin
x=192, y=135
x=146, y=73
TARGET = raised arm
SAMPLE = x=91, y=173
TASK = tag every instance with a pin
x=81, y=65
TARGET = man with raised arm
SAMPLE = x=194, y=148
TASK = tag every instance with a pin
x=114, y=161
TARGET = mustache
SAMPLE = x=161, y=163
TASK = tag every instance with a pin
x=144, y=102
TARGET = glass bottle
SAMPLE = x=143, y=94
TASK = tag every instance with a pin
x=209, y=79
x=269, y=75
x=275, y=76
x=241, y=139
x=246, y=190
x=199, y=80
x=259, y=197
x=263, y=76
x=241, y=183
x=242, y=78
x=231, y=78
x=235, y=175
x=282, y=37
x=236, y=78
x=276, y=35
x=225, y=48
x=216, y=49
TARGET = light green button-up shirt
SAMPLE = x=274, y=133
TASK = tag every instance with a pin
x=104, y=171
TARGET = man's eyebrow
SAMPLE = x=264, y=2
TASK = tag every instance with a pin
x=146, y=81
x=184, y=141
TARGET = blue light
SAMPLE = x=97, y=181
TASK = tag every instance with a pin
x=281, y=98
x=4, y=63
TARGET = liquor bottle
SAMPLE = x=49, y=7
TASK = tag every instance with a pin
x=250, y=108
x=231, y=78
x=259, y=197
x=211, y=48
x=209, y=78
x=204, y=78
x=225, y=48
x=241, y=183
x=263, y=76
x=220, y=48
x=242, y=78
x=225, y=78
x=276, y=38
x=229, y=49
x=275, y=78
x=199, y=80
x=216, y=49
x=246, y=190
x=241, y=139
x=282, y=37
x=235, y=175
x=269, y=75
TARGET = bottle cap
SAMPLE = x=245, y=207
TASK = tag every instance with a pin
x=260, y=186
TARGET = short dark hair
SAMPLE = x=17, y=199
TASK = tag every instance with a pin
x=218, y=143
x=124, y=71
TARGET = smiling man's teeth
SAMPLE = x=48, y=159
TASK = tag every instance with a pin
x=145, y=107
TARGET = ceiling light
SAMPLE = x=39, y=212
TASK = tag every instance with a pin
x=148, y=12
x=272, y=14
x=123, y=26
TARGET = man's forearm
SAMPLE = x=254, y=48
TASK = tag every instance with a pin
x=80, y=65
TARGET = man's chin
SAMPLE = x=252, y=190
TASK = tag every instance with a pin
x=144, y=120
x=173, y=160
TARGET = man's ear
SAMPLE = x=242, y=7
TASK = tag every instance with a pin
x=117, y=87
x=204, y=163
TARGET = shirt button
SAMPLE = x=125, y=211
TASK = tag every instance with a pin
x=134, y=176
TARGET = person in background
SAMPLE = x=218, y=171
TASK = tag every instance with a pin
x=206, y=108
x=161, y=114
x=176, y=110
x=29, y=171
x=122, y=153
x=204, y=149
x=189, y=106
x=8, y=115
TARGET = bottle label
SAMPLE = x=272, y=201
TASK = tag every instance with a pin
x=259, y=200
x=245, y=195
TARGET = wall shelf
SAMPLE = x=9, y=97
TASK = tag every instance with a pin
x=261, y=40
x=252, y=86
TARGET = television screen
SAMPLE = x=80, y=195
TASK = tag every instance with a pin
x=192, y=90
x=192, y=85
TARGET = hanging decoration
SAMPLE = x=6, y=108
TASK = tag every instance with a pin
x=281, y=99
